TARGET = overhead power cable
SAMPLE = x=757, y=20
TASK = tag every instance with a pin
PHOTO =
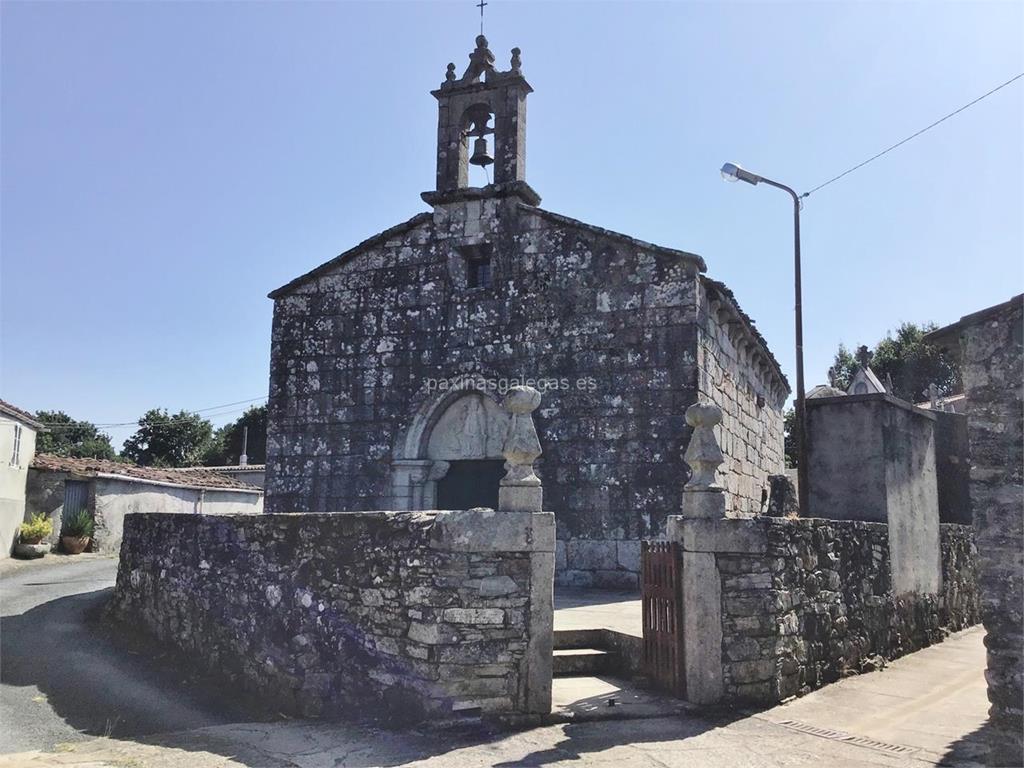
x=912, y=136
x=110, y=425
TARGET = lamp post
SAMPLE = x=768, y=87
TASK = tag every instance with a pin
x=733, y=172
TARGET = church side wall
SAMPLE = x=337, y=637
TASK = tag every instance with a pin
x=607, y=325
x=751, y=433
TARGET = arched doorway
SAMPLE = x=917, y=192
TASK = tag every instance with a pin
x=452, y=453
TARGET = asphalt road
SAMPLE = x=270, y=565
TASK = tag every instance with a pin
x=65, y=676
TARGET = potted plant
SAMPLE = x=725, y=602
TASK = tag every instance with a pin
x=76, y=533
x=33, y=532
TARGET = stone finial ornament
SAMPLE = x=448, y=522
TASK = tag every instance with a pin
x=481, y=61
x=702, y=496
x=703, y=454
x=520, y=489
x=449, y=76
x=517, y=63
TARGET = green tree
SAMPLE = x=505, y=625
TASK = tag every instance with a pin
x=905, y=358
x=70, y=437
x=226, y=447
x=789, y=433
x=165, y=440
x=844, y=365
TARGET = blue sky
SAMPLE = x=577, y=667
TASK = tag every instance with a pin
x=165, y=165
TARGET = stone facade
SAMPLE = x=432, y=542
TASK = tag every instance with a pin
x=423, y=614
x=803, y=602
x=991, y=347
x=373, y=352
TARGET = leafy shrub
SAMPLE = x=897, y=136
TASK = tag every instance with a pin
x=79, y=526
x=37, y=528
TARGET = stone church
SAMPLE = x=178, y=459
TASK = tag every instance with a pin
x=388, y=362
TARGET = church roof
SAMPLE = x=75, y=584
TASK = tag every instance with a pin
x=724, y=293
x=369, y=242
x=642, y=244
x=715, y=286
x=421, y=218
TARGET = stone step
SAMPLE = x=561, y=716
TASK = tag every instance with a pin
x=573, y=662
x=579, y=638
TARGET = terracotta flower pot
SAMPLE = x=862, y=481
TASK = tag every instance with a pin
x=74, y=545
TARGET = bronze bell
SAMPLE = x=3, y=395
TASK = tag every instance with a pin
x=481, y=156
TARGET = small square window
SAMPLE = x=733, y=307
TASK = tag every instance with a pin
x=478, y=271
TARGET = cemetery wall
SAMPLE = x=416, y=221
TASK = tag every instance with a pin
x=819, y=604
x=785, y=606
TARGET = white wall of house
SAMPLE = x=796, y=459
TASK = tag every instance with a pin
x=115, y=498
x=13, y=476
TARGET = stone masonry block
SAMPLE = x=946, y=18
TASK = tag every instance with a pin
x=592, y=555
x=474, y=615
x=628, y=555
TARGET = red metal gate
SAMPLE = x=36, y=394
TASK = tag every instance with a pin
x=663, y=615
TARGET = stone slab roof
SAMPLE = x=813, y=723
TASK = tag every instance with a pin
x=369, y=242
x=420, y=218
x=724, y=293
x=192, y=477
x=641, y=244
x=23, y=416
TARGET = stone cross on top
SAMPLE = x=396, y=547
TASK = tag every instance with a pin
x=864, y=356
x=481, y=5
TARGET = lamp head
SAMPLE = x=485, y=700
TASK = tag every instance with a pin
x=734, y=172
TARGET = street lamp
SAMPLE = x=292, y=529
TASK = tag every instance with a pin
x=733, y=172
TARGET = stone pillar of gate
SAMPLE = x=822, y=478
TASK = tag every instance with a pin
x=695, y=530
x=520, y=489
x=520, y=495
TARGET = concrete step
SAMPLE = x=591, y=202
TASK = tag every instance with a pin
x=574, y=662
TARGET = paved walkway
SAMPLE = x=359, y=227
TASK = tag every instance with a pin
x=64, y=678
x=598, y=609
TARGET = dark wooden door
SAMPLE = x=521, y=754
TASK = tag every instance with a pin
x=470, y=483
x=661, y=583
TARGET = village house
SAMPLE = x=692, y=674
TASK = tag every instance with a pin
x=388, y=362
x=61, y=487
x=18, y=430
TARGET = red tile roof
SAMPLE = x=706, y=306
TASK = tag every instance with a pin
x=90, y=467
x=20, y=415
